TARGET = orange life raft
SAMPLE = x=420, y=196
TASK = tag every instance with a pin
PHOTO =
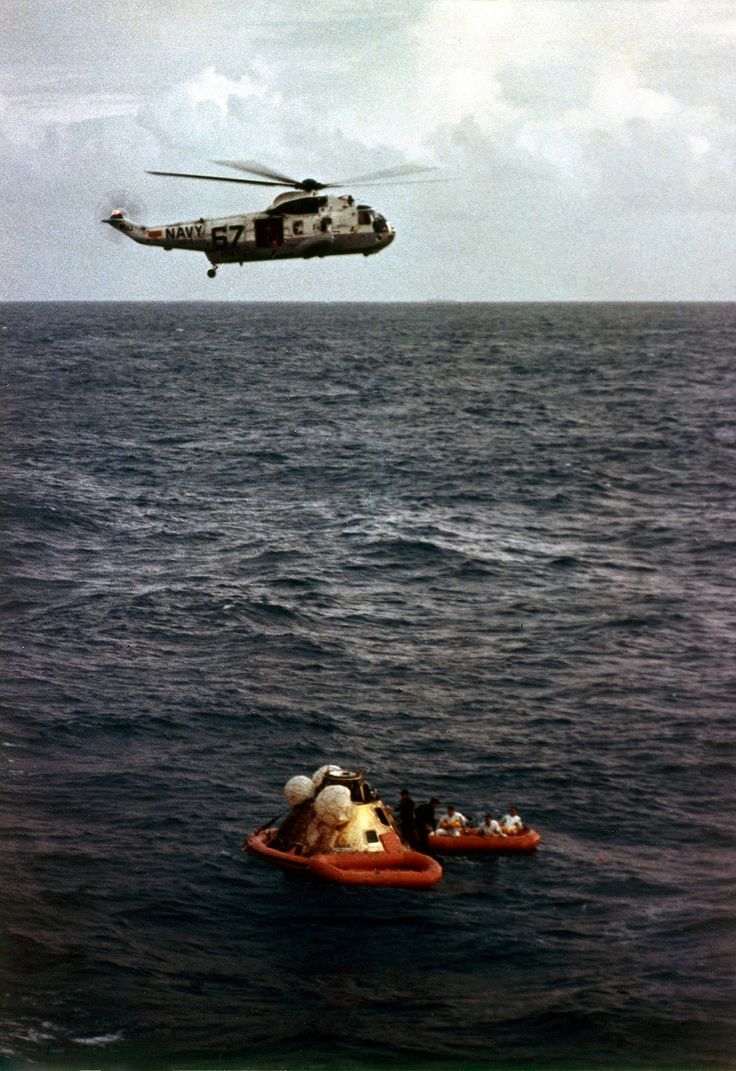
x=472, y=841
x=339, y=830
x=403, y=868
x=259, y=843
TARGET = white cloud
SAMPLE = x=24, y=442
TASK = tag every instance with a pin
x=618, y=97
x=618, y=137
x=718, y=28
x=34, y=110
x=552, y=118
x=210, y=87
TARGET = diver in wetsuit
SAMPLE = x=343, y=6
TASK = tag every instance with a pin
x=406, y=817
x=425, y=822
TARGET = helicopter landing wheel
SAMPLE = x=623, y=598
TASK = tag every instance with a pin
x=211, y=273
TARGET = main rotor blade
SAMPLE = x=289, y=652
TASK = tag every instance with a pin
x=255, y=168
x=385, y=175
x=376, y=178
x=385, y=182
x=214, y=178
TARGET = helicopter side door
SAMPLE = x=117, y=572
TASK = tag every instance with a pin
x=269, y=231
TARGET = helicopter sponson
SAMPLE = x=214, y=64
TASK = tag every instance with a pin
x=315, y=225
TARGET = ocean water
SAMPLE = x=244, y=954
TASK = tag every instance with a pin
x=483, y=551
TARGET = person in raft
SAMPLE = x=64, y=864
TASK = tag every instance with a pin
x=425, y=822
x=453, y=823
x=406, y=817
x=489, y=827
x=512, y=823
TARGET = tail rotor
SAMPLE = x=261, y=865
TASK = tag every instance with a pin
x=119, y=203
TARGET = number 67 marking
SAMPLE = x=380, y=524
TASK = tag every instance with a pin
x=219, y=235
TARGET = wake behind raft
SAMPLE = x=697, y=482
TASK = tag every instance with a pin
x=339, y=830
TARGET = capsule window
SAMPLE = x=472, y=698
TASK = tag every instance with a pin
x=371, y=836
x=382, y=816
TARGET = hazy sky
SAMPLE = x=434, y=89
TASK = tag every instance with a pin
x=589, y=146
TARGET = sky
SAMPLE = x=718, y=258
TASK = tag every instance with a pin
x=586, y=148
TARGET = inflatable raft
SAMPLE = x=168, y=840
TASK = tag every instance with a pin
x=472, y=841
x=339, y=830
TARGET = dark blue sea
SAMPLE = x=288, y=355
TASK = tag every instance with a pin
x=486, y=552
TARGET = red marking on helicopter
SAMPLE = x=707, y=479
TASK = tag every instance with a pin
x=155, y=234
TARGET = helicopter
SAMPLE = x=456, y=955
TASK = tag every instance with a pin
x=305, y=222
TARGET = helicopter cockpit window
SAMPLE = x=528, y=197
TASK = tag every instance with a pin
x=365, y=215
x=380, y=226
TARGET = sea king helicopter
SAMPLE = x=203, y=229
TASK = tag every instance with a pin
x=305, y=222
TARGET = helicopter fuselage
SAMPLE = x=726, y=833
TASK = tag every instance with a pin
x=302, y=226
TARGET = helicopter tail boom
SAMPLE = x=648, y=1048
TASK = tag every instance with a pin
x=136, y=231
x=193, y=235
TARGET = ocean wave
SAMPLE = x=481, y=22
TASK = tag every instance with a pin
x=484, y=551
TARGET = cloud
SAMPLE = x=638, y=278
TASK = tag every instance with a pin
x=212, y=87
x=550, y=112
x=35, y=111
x=555, y=121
